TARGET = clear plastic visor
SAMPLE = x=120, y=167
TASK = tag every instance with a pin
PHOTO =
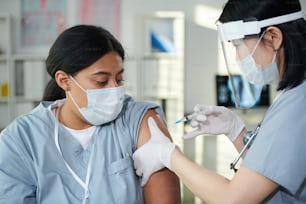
x=244, y=94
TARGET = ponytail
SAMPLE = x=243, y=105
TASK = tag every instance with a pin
x=53, y=92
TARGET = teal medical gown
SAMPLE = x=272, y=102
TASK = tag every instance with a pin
x=33, y=171
x=279, y=150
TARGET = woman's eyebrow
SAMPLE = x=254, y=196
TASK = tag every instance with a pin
x=101, y=73
x=107, y=73
x=121, y=71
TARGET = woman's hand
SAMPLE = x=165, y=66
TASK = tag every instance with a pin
x=215, y=120
x=154, y=155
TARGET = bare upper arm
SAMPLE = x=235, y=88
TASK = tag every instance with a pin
x=250, y=186
x=144, y=132
x=163, y=187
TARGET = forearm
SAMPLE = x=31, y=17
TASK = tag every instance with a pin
x=238, y=142
x=208, y=186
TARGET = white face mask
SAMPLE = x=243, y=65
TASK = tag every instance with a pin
x=259, y=76
x=104, y=105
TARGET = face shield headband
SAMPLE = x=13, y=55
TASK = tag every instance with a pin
x=238, y=29
x=243, y=93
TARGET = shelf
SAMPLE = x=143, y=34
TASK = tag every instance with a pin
x=24, y=72
x=162, y=55
x=22, y=57
x=4, y=16
x=21, y=99
x=5, y=45
x=3, y=100
x=3, y=58
x=4, y=55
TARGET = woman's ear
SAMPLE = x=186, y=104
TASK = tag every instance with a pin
x=274, y=36
x=62, y=79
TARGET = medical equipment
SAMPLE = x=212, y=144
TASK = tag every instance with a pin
x=239, y=29
x=104, y=105
x=232, y=37
x=247, y=140
x=184, y=119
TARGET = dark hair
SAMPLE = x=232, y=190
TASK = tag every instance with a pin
x=294, y=32
x=53, y=92
x=75, y=49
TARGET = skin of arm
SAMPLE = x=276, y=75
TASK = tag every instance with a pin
x=213, y=188
x=238, y=142
x=163, y=187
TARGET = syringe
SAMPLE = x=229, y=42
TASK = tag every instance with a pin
x=184, y=119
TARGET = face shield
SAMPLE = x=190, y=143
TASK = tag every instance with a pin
x=239, y=41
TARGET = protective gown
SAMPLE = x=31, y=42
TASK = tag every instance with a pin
x=33, y=171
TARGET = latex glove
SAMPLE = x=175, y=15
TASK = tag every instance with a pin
x=215, y=120
x=154, y=155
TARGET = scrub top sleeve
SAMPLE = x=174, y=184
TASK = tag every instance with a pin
x=16, y=185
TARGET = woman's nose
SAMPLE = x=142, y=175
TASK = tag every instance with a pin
x=113, y=83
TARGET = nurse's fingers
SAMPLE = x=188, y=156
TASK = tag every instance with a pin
x=192, y=134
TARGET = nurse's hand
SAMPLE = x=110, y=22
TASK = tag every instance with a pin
x=215, y=120
x=154, y=155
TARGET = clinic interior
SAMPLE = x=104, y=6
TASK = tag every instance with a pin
x=173, y=58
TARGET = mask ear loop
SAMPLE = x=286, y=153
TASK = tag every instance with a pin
x=73, y=101
x=77, y=83
x=274, y=57
x=257, y=43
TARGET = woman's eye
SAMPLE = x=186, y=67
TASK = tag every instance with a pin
x=104, y=83
x=120, y=81
x=101, y=82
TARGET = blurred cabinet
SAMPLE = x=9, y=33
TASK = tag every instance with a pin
x=22, y=77
x=5, y=55
x=155, y=72
x=162, y=75
x=29, y=78
x=162, y=67
x=132, y=77
x=162, y=64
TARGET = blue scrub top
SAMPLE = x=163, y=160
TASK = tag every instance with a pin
x=279, y=150
x=33, y=171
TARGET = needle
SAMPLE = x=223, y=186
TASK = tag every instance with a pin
x=184, y=119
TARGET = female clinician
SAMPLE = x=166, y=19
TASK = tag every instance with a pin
x=79, y=149
x=269, y=38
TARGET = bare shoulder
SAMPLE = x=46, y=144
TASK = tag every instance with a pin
x=144, y=131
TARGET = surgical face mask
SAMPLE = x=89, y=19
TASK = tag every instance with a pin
x=255, y=75
x=104, y=105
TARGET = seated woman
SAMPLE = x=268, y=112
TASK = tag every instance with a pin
x=77, y=145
